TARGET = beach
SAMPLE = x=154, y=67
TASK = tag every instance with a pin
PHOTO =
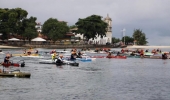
x=8, y=47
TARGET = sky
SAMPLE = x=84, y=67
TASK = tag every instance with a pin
x=150, y=16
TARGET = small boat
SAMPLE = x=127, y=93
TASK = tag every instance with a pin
x=26, y=55
x=85, y=59
x=135, y=56
x=117, y=57
x=15, y=73
x=65, y=62
x=97, y=56
x=21, y=63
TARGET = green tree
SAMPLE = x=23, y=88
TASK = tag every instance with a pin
x=54, y=29
x=115, y=40
x=91, y=26
x=128, y=39
x=72, y=26
x=28, y=28
x=140, y=37
x=11, y=21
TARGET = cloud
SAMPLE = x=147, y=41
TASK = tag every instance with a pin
x=149, y=15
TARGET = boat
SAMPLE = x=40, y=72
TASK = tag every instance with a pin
x=26, y=55
x=97, y=56
x=65, y=62
x=117, y=57
x=85, y=59
x=20, y=63
x=15, y=73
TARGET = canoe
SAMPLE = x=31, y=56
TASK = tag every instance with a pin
x=15, y=74
x=117, y=57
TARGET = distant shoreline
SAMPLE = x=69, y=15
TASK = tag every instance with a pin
x=146, y=47
x=9, y=47
x=128, y=47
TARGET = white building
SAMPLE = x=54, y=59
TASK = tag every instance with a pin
x=39, y=27
x=104, y=40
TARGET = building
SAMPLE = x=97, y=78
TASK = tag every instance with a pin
x=38, y=27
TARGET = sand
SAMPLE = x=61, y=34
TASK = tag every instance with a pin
x=8, y=47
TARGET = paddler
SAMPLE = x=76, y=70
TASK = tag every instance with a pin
x=6, y=59
x=53, y=56
x=142, y=53
x=60, y=60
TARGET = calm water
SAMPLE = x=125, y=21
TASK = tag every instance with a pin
x=102, y=79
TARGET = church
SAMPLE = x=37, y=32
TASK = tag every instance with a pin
x=104, y=40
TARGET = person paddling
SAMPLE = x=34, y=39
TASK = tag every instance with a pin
x=59, y=60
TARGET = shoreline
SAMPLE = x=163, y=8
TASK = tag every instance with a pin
x=146, y=47
x=128, y=47
x=9, y=47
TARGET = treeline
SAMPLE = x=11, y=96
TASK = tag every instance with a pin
x=138, y=36
x=15, y=22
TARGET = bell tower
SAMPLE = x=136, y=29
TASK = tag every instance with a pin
x=108, y=20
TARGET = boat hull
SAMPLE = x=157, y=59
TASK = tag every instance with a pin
x=117, y=57
x=18, y=74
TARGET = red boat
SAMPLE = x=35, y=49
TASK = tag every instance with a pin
x=21, y=63
x=118, y=57
x=10, y=64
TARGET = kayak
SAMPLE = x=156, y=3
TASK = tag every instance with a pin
x=25, y=55
x=117, y=57
x=65, y=62
x=97, y=56
x=15, y=73
x=21, y=63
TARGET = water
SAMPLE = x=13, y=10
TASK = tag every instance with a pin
x=102, y=79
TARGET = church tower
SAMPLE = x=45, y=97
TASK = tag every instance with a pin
x=108, y=20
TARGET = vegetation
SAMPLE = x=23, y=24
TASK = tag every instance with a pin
x=14, y=21
x=140, y=37
x=29, y=30
x=91, y=26
x=115, y=40
x=127, y=39
x=54, y=29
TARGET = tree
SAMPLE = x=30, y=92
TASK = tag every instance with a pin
x=140, y=37
x=92, y=26
x=128, y=39
x=115, y=40
x=11, y=21
x=28, y=28
x=54, y=29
